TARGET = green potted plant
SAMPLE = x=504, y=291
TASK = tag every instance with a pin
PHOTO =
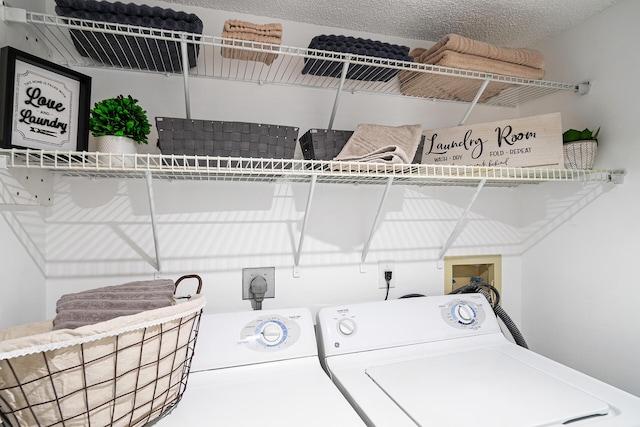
x=119, y=124
x=579, y=148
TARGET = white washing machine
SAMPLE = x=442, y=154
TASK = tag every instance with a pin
x=259, y=368
x=443, y=361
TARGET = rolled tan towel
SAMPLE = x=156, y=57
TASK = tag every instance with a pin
x=454, y=42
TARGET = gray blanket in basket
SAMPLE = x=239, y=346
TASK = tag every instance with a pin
x=109, y=302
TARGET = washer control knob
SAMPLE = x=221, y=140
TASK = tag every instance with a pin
x=347, y=327
x=271, y=332
x=464, y=313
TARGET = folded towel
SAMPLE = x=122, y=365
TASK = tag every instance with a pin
x=273, y=30
x=416, y=52
x=454, y=88
x=248, y=55
x=388, y=154
x=384, y=144
x=250, y=32
x=447, y=87
x=449, y=58
x=454, y=42
x=251, y=37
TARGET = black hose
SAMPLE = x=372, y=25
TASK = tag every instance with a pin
x=412, y=296
x=476, y=287
x=511, y=326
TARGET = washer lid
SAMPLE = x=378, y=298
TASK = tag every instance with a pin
x=481, y=388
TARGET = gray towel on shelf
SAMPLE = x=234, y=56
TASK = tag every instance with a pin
x=382, y=144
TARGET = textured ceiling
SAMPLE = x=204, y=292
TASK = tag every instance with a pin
x=515, y=23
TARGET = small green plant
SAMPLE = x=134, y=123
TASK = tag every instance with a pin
x=576, y=135
x=120, y=116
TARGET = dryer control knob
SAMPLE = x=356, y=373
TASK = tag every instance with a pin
x=347, y=327
x=271, y=332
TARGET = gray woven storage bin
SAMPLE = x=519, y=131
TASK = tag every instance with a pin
x=325, y=144
x=226, y=139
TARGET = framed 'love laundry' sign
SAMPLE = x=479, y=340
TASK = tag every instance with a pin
x=42, y=105
x=534, y=141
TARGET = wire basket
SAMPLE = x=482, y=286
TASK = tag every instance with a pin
x=579, y=154
x=123, y=372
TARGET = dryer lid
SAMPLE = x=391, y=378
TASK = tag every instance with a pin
x=482, y=388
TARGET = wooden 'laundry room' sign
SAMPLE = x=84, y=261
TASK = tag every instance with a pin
x=524, y=142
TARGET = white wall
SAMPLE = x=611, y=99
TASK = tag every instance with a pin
x=580, y=305
x=23, y=285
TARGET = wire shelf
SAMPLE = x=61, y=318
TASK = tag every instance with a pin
x=61, y=33
x=108, y=165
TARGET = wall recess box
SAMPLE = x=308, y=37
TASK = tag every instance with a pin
x=463, y=268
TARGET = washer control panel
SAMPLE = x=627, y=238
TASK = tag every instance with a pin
x=270, y=333
x=463, y=314
x=395, y=323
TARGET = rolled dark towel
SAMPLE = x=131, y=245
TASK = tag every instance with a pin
x=129, y=10
x=176, y=22
x=356, y=46
x=125, y=51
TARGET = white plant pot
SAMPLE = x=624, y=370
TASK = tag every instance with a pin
x=579, y=154
x=118, y=145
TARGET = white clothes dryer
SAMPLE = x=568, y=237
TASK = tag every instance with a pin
x=259, y=368
x=443, y=361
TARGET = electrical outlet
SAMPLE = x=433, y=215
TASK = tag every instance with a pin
x=269, y=274
x=382, y=267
